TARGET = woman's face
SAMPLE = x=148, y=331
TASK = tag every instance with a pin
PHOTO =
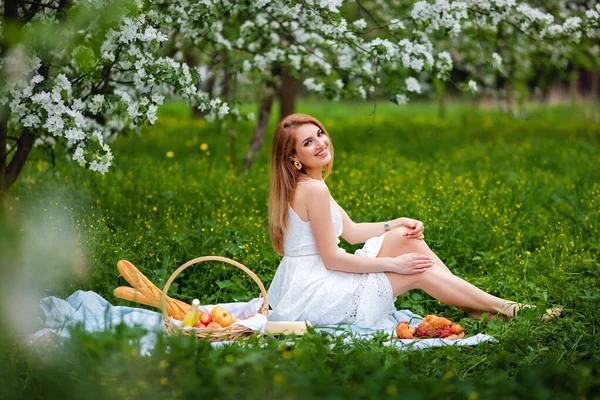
x=312, y=147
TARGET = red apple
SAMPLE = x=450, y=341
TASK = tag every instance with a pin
x=200, y=325
x=206, y=318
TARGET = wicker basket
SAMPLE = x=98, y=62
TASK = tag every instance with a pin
x=231, y=332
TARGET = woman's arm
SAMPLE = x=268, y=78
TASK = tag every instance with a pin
x=359, y=232
x=319, y=213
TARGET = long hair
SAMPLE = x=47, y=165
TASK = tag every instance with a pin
x=284, y=176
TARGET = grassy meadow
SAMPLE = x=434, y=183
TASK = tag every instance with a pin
x=509, y=204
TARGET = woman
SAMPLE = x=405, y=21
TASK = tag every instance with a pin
x=318, y=281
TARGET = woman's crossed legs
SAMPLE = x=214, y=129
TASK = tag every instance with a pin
x=440, y=283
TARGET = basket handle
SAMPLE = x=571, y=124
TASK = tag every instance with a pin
x=264, y=310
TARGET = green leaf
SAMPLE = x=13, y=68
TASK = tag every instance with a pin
x=85, y=58
x=224, y=284
x=416, y=296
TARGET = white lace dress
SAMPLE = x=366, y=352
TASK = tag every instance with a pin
x=303, y=289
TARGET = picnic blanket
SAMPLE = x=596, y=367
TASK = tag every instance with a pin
x=96, y=314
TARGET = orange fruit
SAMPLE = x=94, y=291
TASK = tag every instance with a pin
x=214, y=325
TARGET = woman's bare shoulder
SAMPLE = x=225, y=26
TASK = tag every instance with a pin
x=306, y=191
x=312, y=186
x=311, y=189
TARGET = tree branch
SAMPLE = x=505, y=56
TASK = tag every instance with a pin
x=31, y=12
x=514, y=26
x=307, y=49
x=39, y=4
x=479, y=38
x=121, y=82
x=375, y=20
x=104, y=77
x=384, y=27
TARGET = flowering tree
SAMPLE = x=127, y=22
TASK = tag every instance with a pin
x=94, y=83
x=102, y=75
x=398, y=47
x=505, y=58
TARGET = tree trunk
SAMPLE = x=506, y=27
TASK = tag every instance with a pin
x=11, y=172
x=231, y=128
x=287, y=93
x=508, y=99
x=261, y=126
x=594, y=85
x=227, y=80
x=212, y=78
x=3, y=155
x=440, y=92
x=574, y=77
x=11, y=10
x=11, y=15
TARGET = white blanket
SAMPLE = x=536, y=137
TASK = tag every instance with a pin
x=97, y=314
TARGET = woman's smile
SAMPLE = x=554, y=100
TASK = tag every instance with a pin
x=323, y=153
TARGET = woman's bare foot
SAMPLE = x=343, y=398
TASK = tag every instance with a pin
x=512, y=310
x=552, y=313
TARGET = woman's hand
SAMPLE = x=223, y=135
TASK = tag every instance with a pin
x=416, y=228
x=411, y=263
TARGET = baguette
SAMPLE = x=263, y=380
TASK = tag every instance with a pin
x=131, y=294
x=143, y=291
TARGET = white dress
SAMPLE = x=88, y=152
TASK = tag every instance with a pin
x=304, y=290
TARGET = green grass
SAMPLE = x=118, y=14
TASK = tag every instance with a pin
x=509, y=204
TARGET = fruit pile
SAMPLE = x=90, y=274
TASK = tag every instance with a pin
x=218, y=318
x=431, y=327
x=435, y=333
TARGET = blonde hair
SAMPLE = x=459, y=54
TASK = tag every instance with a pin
x=284, y=176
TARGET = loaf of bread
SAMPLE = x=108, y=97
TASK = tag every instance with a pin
x=145, y=292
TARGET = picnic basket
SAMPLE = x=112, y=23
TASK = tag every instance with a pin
x=232, y=332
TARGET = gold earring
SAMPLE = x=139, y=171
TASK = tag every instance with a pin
x=297, y=165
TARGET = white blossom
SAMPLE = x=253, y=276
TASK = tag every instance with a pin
x=96, y=103
x=37, y=78
x=363, y=92
x=572, y=24
x=32, y=121
x=443, y=64
x=73, y=136
x=359, y=24
x=401, y=99
x=412, y=85
x=592, y=14
x=312, y=85
x=496, y=60
x=78, y=156
x=472, y=86
x=151, y=114
x=396, y=25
